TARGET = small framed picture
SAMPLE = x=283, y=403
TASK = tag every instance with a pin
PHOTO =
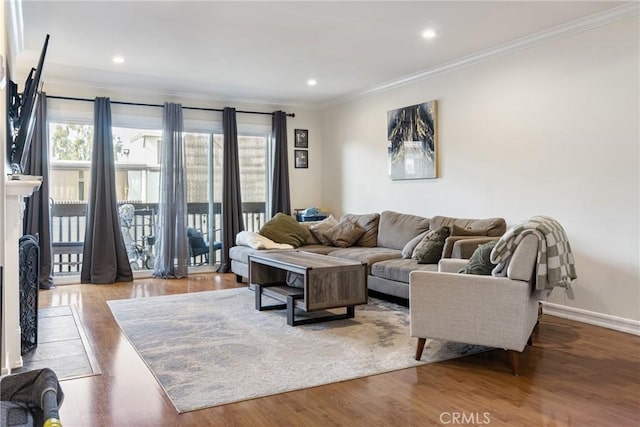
x=302, y=138
x=302, y=159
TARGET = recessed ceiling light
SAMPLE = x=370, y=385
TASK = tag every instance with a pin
x=118, y=59
x=311, y=82
x=428, y=34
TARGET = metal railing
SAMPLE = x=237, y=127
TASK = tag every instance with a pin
x=68, y=222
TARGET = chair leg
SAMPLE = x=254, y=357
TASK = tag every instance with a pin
x=238, y=278
x=530, y=340
x=420, y=347
x=514, y=361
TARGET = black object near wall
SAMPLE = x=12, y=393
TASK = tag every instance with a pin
x=29, y=261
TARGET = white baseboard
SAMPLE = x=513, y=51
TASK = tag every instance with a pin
x=593, y=318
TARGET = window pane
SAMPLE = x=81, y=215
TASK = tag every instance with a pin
x=252, y=156
x=69, y=181
x=70, y=153
x=197, y=150
x=137, y=163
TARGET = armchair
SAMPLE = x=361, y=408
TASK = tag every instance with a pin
x=492, y=311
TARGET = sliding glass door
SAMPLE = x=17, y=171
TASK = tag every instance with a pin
x=137, y=166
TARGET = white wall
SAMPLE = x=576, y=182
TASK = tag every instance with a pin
x=305, y=183
x=549, y=130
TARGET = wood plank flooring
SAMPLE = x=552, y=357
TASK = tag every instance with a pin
x=574, y=375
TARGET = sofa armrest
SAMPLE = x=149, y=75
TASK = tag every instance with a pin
x=451, y=265
x=485, y=310
x=464, y=248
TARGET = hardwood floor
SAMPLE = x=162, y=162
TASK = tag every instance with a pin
x=573, y=375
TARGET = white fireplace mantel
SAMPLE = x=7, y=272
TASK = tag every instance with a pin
x=14, y=191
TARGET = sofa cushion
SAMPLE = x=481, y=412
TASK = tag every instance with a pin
x=368, y=255
x=312, y=239
x=456, y=230
x=495, y=227
x=480, y=262
x=370, y=224
x=396, y=229
x=429, y=250
x=321, y=228
x=344, y=234
x=399, y=269
x=284, y=228
x=317, y=249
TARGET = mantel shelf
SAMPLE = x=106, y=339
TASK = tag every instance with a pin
x=21, y=188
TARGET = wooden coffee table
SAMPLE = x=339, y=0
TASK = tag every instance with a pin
x=320, y=282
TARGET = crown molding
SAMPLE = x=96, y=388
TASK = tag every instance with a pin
x=546, y=36
x=15, y=31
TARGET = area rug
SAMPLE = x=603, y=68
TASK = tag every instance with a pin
x=211, y=348
x=62, y=345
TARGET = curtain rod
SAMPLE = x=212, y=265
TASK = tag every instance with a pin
x=138, y=104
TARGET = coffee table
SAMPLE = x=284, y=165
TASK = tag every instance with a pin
x=309, y=282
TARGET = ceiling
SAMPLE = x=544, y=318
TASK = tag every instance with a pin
x=265, y=51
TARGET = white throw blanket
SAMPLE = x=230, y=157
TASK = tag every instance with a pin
x=555, y=264
x=258, y=241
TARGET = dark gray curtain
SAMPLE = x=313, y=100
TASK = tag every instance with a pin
x=280, y=196
x=232, y=222
x=172, y=245
x=37, y=218
x=104, y=257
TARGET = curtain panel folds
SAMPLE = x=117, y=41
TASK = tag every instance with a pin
x=172, y=244
x=37, y=219
x=104, y=257
x=280, y=195
x=232, y=221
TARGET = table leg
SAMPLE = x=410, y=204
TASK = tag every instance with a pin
x=258, y=295
x=291, y=307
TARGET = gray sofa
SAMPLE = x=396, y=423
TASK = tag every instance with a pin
x=381, y=247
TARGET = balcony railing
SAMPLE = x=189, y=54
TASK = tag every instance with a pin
x=68, y=222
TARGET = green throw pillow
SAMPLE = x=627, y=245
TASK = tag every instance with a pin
x=429, y=250
x=285, y=229
x=480, y=263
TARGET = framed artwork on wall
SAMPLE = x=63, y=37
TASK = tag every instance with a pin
x=301, y=138
x=412, y=141
x=301, y=159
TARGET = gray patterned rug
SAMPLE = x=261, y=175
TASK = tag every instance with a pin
x=211, y=348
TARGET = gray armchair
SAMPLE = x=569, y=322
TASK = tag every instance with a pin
x=492, y=311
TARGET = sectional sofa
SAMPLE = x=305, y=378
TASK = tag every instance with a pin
x=387, y=244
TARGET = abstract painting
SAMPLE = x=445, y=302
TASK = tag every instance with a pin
x=412, y=141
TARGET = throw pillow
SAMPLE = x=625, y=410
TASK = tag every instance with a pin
x=408, y=249
x=456, y=230
x=345, y=234
x=429, y=250
x=370, y=224
x=321, y=228
x=312, y=239
x=480, y=262
x=284, y=229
